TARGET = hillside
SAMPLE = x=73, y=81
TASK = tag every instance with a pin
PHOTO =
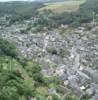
x=49, y=50
x=63, y=6
x=24, y=9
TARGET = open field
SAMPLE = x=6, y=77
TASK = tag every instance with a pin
x=66, y=6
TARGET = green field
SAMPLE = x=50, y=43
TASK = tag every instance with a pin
x=66, y=6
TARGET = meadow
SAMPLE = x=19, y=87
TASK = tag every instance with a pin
x=65, y=6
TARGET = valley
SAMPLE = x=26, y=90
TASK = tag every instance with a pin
x=49, y=50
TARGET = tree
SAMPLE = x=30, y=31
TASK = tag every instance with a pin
x=12, y=86
x=7, y=48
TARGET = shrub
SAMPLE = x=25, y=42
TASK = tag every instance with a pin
x=52, y=51
x=7, y=48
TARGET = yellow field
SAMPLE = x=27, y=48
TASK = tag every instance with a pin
x=66, y=6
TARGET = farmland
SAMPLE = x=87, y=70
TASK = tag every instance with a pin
x=66, y=6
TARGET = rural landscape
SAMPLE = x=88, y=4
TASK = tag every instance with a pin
x=49, y=50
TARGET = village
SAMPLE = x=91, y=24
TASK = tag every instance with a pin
x=71, y=57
